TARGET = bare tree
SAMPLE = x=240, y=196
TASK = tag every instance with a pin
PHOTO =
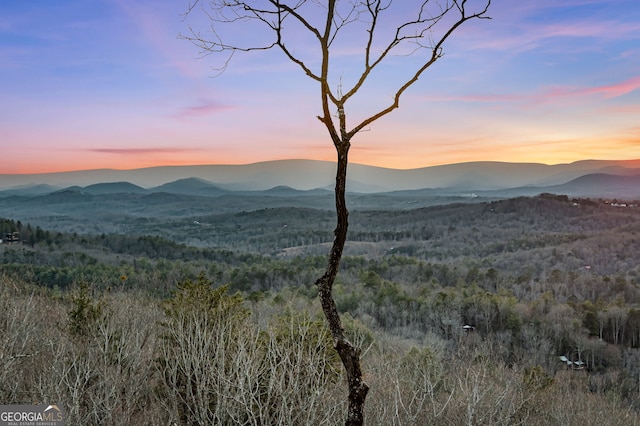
x=383, y=31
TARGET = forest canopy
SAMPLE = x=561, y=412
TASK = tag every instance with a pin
x=547, y=287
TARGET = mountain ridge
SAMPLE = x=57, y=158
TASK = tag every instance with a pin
x=595, y=185
x=314, y=174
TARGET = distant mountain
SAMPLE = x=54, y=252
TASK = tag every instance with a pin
x=67, y=195
x=596, y=185
x=602, y=184
x=191, y=186
x=39, y=189
x=113, y=188
x=122, y=206
x=308, y=174
x=287, y=191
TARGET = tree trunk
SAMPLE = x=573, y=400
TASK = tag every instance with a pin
x=349, y=354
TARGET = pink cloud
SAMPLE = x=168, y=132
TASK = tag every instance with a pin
x=554, y=94
x=607, y=91
x=625, y=109
x=488, y=98
x=201, y=108
x=141, y=151
x=601, y=30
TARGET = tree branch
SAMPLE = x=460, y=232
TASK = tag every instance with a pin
x=436, y=53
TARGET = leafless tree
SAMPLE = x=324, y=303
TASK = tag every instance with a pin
x=312, y=34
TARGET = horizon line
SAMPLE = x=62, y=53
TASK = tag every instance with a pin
x=318, y=161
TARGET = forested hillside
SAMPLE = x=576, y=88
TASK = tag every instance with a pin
x=519, y=311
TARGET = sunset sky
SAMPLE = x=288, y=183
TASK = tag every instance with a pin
x=88, y=84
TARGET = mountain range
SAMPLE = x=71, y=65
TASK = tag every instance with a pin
x=590, y=178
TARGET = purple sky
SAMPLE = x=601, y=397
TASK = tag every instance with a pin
x=108, y=84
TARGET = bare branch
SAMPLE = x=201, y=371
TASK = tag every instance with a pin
x=436, y=53
x=417, y=31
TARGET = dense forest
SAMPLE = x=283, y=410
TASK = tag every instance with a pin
x=518, y=311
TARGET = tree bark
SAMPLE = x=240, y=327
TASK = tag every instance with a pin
x=349, y=354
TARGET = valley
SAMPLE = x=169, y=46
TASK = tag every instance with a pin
x=541, y=288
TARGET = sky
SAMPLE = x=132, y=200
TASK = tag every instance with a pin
x=90, y=84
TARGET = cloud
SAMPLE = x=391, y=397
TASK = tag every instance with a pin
x=607, y=91
x=159, y=27
x=552, y=94
x=141, y=151
x=201, y=108
x=531, y=37
x=485, y=98
x=624, y=109
x=629, y=138
x=519, y=28
x=603, y=30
